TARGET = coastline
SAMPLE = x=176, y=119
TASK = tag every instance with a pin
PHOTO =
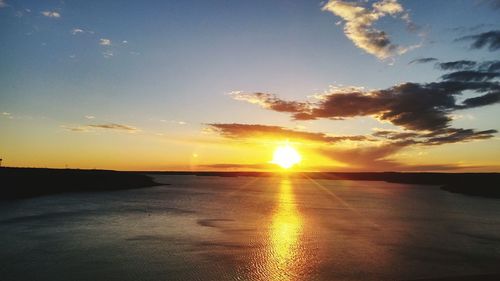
x=31, y=182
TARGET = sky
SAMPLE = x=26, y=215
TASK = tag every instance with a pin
x=384, y=85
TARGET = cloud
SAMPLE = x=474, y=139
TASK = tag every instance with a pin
x=371, y=157
x=270, y=101
x=51, y=14
x=104, y=42
x=76, y=128
x=457, y=65
x=7, y=115
x=108, y=126
x=470, y=75
x=490, y=39
x=378, y=155
x=452, y=135
x=438, y=137
x=247, y=131
x=173, y=122
x=359, y=23
x=234, y=166
x=381, y=158
x=413, y=106
x=113, y=126
x=486, y=99
x=108, y=54
x=89, y=117
x=422, y=60
x=75, y=31
x=3, y=4
x=490, y=66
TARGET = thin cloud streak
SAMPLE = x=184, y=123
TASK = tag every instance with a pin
x=107, y=126
x=51, y=14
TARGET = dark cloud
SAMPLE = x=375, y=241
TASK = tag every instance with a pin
x=490, y=66
x=486, y=99
x=453, y=135
x=438, y=137
x=413, y=106
x=470, y=75
x=422, y=60
x=490, y=40
x=395, y=135
x=457, y=65
x=246, y=131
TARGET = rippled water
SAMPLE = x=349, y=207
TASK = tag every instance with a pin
x=214, y=228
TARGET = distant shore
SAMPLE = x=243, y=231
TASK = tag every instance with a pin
x=31, y=182
x=472, y=184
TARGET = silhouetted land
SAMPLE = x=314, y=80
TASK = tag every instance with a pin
x=30, y=182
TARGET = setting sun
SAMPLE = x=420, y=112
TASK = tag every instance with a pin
x=286, y=156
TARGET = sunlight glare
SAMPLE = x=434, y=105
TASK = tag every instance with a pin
x=286, y=156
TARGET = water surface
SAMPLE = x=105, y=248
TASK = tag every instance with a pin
x=250, y=228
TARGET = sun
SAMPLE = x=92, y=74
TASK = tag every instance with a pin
x=286, y=156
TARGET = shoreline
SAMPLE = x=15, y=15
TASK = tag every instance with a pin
x=31, y=182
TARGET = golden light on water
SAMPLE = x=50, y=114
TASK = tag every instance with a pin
x=286, y=156
x=285, y=236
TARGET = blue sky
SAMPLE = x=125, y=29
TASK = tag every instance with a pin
x=138, y=62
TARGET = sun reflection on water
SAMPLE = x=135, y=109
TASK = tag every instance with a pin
x=284, y=257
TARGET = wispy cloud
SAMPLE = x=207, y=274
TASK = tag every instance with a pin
x=104, y=42
x=89, y=117
x=490, y=40
x=75, y=128
x=108, y=54
x=359, y=25
x=248, y=131
x=422, y=60
x=51, y=14
x=3, y=4
x=173, y=122
x=75, y=31
x=7, y=115
x=113, y=126
x=457, y=65
x=107, y=126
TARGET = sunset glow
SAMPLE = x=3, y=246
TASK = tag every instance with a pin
x=361, y=86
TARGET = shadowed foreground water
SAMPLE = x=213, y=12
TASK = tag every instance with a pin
x=215, y=228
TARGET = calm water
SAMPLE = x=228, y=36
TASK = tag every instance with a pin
x=213, y=228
